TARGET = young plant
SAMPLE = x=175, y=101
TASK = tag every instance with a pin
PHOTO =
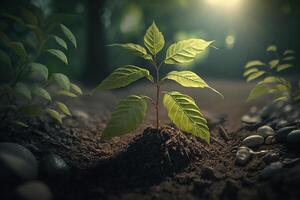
x=182, y=109
x=273, y=82
x=27, y=92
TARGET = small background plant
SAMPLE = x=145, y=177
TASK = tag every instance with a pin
x=270, y=76
x=181, y=108
x=27, y=91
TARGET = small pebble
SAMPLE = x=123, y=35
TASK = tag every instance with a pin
x=34, y=190
x=242, y=157
x=251, y=120
x=253, y=141
x=294, y=137
x=270, y=140
x=281, y=134
x=265, y=131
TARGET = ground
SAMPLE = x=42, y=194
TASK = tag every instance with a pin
x=167, y=164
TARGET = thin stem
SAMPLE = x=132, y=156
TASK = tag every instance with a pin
x=157, y=97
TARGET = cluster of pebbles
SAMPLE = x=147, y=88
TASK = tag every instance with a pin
x=277, y=123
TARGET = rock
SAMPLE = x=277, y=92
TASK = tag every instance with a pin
x=294, y=137
x=266, y=111
x=54, y=168
x=282, y=123
x=34, y=190
x=253, y=110
x=265, y=131
x=251, y=120
x=281, y=134
x=270, y=140
x=253, y=141
x=271, y=157
x=242, y=157
x=80, y=114
x=273, y=169
x=287, y=108
x=17, y=164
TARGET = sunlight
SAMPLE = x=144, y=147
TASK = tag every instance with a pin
x=229, y=4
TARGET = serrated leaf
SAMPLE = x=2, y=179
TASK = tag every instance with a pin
x=257, y=91
x=254, y=63
x=126, y=117
x=123, y=76
x=54, y=114
x=271, y=48
x=189, y=79
x=274, y=63
x=5, y=58
x=62, y=107
x=255, y=75
x=61, y=42
x=250, y=71
x=76, y=88
x=62, y=80
x=154, y=39
x=59, y=54
x=66, y=93
x=40, y=69
x=185, y=51
x=287, y=52
x=18, y=49
x=186, y=115
x=31, y=110
x=283, y=67
x=269, y=79
x=289, y=58
x=23, y=90
x=68, y=33
x=28, y=16
x=135, y=49
x=41, y=92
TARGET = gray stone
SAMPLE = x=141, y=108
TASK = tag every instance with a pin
x=53, y=167
x=282, y=123
x=265, y=131
x=270, y=140
x=34, y=190
x=251, y=120
x=17, y=164
x=253, y=141
x=281, y=134
x=271, y=170
x=242, y=157
x=294, y=137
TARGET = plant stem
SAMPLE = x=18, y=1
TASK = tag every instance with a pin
x=157, y=97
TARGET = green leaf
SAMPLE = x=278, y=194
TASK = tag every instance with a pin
x=61, y=42
x=185, y=51
x=28, y=16
x=272, y=48
x=40, y=69
x=126, y=117
x=5, y=58
x=69, y=34
x=269, y=79
x=250, y=71
x=284, y=98
x=189, y=79
x=18, y=49
x=283, y=67
x=54, y=114
x=255, y=75
x=274, y=63
x=76, y=88
x=135, y=49
x=23, y=90
x=62, y=80
x=254, y=63
x=123, y=76
x=186, y=115
x=154, y=39
x=62, y=107
x=66, y=93
x=22, y=124
x=38, y=91
x=289, y=58
x=288, y=52
x=59, y=54
x=33, y=110
x=257, y=92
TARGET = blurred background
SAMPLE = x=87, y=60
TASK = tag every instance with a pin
x=242, y=29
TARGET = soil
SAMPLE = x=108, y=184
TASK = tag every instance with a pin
x=155, y=164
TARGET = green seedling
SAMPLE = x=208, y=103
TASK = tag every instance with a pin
x=28, y=90
x=181, y=108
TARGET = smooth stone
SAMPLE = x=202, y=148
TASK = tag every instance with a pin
x=271, y=170
x=242, y=157
x=34, y=190
x=17, y=164
x=294, y=137
x=287, y=108
x=253, y=110
x=270, y=140
x=281, y=134
x=265, y=131
x=271, y=157
x=53, y=167
x=266, y=111
x=281, y=124
x=251, y=120
x=253, y=141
